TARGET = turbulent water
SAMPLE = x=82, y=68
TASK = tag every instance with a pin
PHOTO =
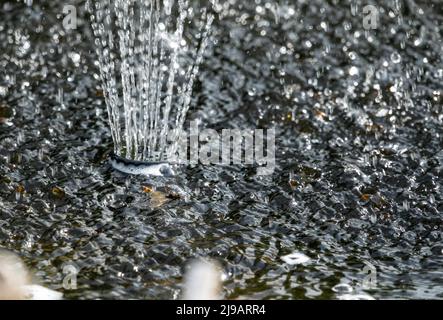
x=358, y=117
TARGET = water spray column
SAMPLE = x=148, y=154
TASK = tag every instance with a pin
x=148, y=64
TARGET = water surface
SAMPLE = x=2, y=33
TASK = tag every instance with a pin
x=359, y=157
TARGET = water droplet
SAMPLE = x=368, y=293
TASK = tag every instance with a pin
x=75, y=57
x=393, y=89
x=308, y=44
x=382, y=113
x=353, y=71
x=395, y=57
x=252, y=92
x=3, y=91
x=417, y=42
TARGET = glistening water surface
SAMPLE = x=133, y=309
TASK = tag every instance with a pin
x=359, y=159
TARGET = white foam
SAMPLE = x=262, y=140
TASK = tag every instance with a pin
x=295, y=258
x=157, y=169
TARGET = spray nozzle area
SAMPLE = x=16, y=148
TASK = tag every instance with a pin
x=160, y=168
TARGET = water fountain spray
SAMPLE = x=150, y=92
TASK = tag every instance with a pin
x=148, y=65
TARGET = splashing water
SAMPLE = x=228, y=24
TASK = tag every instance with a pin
x=148, y=65
x=359, y=158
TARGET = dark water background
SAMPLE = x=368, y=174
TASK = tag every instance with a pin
x=359, y=157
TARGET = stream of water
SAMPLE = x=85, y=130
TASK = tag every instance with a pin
x=359, y=164
x=148, y=66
